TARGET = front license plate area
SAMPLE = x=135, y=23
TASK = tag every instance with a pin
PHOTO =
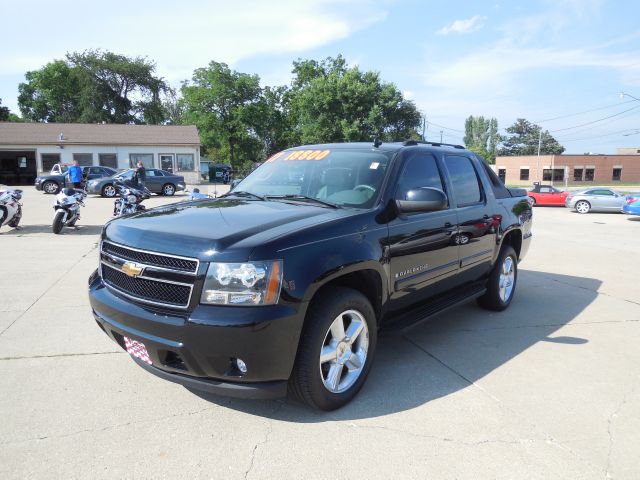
x=137, y=349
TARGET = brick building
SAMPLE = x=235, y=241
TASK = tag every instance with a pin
x=569, y=169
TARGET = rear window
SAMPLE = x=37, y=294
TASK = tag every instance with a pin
x=464, y=179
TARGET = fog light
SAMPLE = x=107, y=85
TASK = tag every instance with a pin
x=242, y=367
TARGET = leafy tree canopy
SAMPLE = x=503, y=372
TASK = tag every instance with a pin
x=481, y=136
x=332, y=102
x=94, y=86
x=522, y=139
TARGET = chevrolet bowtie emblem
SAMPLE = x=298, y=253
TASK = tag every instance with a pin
x=132, y=269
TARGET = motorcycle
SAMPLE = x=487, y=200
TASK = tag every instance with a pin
x=10, y=208
x=67, y=208
x=131, y=198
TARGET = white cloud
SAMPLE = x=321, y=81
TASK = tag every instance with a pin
x=463, y=26
x=180, y=36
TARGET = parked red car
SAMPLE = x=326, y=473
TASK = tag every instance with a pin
x=547, y=195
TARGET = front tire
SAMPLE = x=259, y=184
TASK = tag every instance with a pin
x=57, y=222
x=169, y=189
x=583, y=207
x=50, y=187
x=16, y=219
x=501, y=285
x=336, y=349
x=532, y=201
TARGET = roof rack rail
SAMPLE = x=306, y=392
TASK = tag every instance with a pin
x=407, y=143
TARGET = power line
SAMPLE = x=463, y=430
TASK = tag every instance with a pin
x=594, y=121
x=585, y=111
x=619, y=132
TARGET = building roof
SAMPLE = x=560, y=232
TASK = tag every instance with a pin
x=28, y=134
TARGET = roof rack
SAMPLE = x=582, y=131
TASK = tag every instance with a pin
x=407, y=143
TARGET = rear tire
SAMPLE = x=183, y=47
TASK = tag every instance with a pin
x=57, y=222
x=336, y=349
x=109, y=191
x=583, y=207
x=501, y=285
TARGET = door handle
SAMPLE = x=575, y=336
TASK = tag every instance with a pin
x=448, y=225
x=485, y=217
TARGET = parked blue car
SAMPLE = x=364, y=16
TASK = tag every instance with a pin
x=631, y=204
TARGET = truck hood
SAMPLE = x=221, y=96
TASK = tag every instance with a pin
x=221, y=229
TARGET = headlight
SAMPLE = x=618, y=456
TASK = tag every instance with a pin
x=131, y=199
x=255, y=283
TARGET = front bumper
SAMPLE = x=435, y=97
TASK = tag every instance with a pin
x=197, y=349
x=38, y=184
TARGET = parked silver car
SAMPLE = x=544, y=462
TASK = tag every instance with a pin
x=595, y=199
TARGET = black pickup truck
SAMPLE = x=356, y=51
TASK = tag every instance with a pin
x=285, y=282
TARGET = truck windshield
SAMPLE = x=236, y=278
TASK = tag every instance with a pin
x=348, y=177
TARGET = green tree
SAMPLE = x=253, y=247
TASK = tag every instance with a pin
x=522, y=139
x=226, y=107
x=94, y=86
x=4, y=113
x=51, y=94
x=481, y=136
x=274, y=124
x=332, y=102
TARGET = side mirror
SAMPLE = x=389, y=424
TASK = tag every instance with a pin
x=422, y=200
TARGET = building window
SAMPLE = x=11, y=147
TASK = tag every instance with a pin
x=577, y=174
x=49, y=160
x=147, y=159
x=589, y=174
x=108, y=160
x=555, y=174
x=524, y=174
x=185, y=162
x=84, y=159
x=617, y=174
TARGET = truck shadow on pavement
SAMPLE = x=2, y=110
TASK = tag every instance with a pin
x=451, y=352
x=35, y=229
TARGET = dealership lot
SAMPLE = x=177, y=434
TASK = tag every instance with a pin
x=549, y=388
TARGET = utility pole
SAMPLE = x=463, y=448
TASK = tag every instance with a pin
x=538, y=167
x=424, y=127
x=440, y=136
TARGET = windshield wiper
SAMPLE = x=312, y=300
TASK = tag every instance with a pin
x=242, y=193
x=305, y=197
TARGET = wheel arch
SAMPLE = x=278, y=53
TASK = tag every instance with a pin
x=512, y=237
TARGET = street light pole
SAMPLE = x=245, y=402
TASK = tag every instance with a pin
x=539, y=145
x=624, y=94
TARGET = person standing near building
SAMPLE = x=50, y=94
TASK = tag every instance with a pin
x=75, y=175
x=140, y=174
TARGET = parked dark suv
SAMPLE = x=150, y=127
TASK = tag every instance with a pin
x=286, y=280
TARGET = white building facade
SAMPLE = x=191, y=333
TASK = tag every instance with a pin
x=30, y=149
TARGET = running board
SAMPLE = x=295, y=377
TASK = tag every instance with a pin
x=407, y=320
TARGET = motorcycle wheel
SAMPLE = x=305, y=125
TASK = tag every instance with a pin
x=57, y=222
x=16, y=219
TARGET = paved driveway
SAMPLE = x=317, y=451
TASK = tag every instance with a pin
x=548, y=389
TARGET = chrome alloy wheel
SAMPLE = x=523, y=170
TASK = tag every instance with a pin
x=507, y=278
x=50, y=187
x=109, y=191
x=582, y=207
x=344, y=351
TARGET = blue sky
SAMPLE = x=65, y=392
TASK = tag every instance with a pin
x=539, y=59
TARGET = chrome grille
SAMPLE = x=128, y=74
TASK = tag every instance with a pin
x=164, y=279
x=151, y=258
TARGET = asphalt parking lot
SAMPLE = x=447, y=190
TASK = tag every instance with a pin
x=549, y=388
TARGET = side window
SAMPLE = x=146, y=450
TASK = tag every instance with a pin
x=545, y=190
x=420, y=170
x=464, y=180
